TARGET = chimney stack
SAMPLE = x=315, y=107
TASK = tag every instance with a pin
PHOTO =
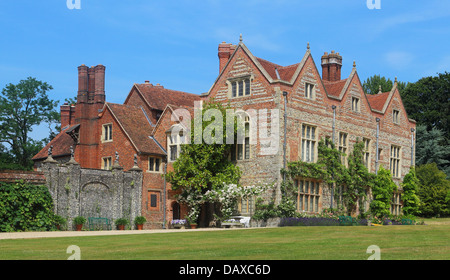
x=225, y=52
x=331, y=67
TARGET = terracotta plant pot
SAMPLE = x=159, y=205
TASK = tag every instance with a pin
x=139, y=227
x=121, y=227
x=79, y=227
x=193, y=226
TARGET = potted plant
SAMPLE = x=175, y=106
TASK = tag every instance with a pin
x=139, y=222
x=60, y=221
x=121, y=223
x=178, y=223
x=193, y=222
x=79, y=221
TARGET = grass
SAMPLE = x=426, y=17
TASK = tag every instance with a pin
x=429, y=242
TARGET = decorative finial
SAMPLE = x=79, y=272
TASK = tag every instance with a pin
x=396, y=79
x=379, y=89
x=50, y=150
x=354, y=64
x=117, y=156
x=135, y=159
x=240, y=37
x=307, y=46
x=71, y=151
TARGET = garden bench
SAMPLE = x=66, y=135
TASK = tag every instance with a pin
x=347, y=221
x=232, y=225
x=407, y=222
x=99, y=223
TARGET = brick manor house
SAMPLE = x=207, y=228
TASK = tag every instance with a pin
x=318, y=105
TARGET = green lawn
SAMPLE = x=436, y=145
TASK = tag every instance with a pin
x=287, y=243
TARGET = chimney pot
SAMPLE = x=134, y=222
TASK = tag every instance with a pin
x=331, y=66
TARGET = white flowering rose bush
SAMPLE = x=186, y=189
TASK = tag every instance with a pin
x=227, y=196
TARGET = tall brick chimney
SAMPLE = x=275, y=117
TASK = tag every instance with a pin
x=331, y=67
x=67, y=115
x=90, y=99
x=225, y=52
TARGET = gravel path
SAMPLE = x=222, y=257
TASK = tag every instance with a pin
x=45, y=234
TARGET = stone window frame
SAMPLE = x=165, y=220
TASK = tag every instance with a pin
x=246, y=206
x=304, y=140
x=308, y=201
x=107, y=132
x=367, y=152
x=396, y=116
x=153, y=167
x=174, y=143
x=343, y=139
x=311, y=93
x=356, y=106
x=106, y=163
x=396, y=203
x=236, y=81
x=246, y=147
x=395, y=157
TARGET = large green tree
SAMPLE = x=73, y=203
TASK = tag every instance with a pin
x=428, y=102
x=433, y=190
x=432, y=146
x=372, y=84
x=411, y=201
x=22, y=107
x=203, y=165
x=382, y=190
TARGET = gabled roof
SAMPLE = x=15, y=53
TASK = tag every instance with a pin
x=278, y=72
x=377, y=101
x=136, y=126
x=157, y=97
x=334, y=88
x=61, y=145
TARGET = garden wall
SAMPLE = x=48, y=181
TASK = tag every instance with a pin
x=84, y=192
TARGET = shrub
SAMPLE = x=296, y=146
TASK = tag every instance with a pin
x=25, y=207
x=139, y=220
x=121, y=222
x=79, y=220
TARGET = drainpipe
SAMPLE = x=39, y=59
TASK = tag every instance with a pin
x=377, y=156
x=412, y=146
x=285, y=128
x=334, y=127
x=164, y=195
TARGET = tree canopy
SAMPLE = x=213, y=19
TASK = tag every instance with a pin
x=23, y=106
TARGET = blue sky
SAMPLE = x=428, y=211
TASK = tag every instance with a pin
x=175, y=42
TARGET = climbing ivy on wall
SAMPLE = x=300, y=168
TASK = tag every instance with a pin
x=329, y=168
